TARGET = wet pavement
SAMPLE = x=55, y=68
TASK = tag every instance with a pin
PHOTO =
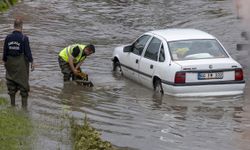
x=127, y=114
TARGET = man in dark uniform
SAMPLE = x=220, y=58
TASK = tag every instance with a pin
x=17, y=57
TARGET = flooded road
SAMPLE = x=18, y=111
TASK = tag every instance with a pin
x=128, y=115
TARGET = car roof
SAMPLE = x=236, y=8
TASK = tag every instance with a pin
x=181, y=34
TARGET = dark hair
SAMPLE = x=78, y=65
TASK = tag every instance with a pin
x=18, y=23
x=76, y=51
x=92, y=47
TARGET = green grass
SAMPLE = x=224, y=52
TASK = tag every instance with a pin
x=15, y=128
x=3, y=101
x=86, y=137
x=5, y=4
x=16, y=131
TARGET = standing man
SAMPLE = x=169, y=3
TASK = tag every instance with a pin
x=17, y=58
x=71, y=58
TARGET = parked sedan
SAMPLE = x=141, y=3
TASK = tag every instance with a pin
x=180, y=62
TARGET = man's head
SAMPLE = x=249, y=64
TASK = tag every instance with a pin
x=18, y=24
x=89, y=49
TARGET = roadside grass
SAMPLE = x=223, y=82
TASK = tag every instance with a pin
x=15, y=128
x=6, y=4
x=3, y=101
x=86, y=137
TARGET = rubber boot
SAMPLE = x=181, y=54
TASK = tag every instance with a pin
x=66, y=78
x=24, y=102
x=13, y=100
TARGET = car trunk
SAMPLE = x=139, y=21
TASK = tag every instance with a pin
x=209, y=70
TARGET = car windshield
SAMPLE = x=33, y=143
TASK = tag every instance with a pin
x=196, y=49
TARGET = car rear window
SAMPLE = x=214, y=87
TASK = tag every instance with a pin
x=196, y=49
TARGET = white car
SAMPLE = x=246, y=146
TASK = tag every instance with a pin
x=180, y=62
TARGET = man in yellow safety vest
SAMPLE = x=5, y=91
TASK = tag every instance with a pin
x=71, y=57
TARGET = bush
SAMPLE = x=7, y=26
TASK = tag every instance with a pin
x=87, y=138
x=5, y=4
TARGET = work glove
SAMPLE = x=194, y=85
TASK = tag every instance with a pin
x=83, y=75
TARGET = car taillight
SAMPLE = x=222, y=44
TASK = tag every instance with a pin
x=180, y=77
x=238, y=74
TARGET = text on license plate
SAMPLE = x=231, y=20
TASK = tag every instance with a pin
x=207, y=76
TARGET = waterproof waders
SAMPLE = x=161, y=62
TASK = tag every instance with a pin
x=65, y=69
x=17, y=76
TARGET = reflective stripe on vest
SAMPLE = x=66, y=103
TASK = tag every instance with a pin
x=64, y=54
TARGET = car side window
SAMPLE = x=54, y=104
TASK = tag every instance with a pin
x=139, y=44
x=162, y=54
x=153, y=49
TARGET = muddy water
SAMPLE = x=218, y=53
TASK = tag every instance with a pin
x=127, y=114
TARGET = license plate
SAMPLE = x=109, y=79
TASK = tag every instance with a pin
x=207, y=76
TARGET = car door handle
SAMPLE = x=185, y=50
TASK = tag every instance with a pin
x=136, y=61
x=151, y=66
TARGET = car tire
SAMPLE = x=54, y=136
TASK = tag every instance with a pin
x=158, y=86
x=117, y=66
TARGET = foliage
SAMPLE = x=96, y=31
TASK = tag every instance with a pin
x=3, y=101
x=15, y=128
x=87, y=138
x=5, y=4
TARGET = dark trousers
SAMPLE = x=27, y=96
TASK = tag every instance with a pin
x=13, y=87
x=17, y=75
x=66, y=70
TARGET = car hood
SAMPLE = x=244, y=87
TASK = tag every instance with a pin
x=209, y=64
x=121, y=46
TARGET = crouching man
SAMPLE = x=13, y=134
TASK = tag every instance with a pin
x=70, y=59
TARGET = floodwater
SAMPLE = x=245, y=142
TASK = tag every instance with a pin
x=128, y=115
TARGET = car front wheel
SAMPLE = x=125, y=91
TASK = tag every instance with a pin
x=117, y=66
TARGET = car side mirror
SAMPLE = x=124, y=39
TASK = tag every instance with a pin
x=127, y=48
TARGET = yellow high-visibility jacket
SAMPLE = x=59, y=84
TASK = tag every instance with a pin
x=67, y=51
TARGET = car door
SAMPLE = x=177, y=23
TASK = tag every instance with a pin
x=132, y=59
x=148, y=62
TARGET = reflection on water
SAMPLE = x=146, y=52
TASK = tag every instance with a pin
x=127, y=114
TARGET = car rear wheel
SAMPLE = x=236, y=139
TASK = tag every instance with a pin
x=158, y=86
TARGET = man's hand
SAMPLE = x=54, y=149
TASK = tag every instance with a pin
x=76, y=72
x=84, y=76
x=32, y=66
